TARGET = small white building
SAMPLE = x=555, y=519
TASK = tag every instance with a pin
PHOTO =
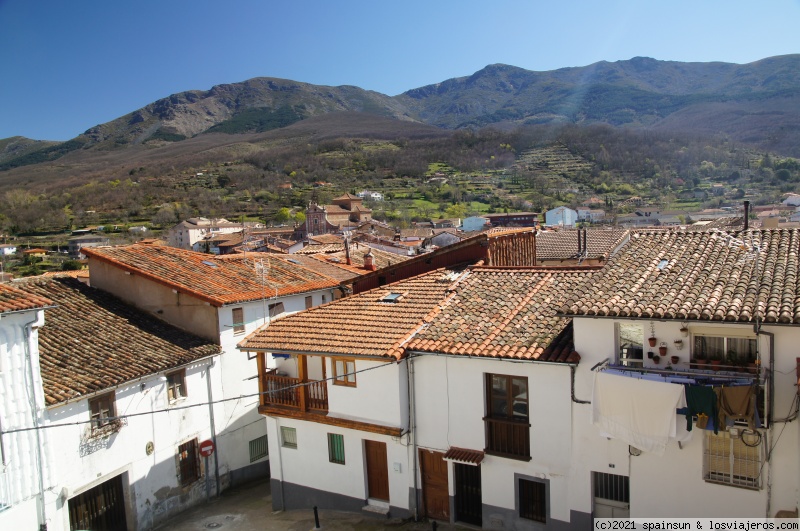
x=8, y=249
x=791, y=200
x=186, y=233
x=106, y=433
x=590, y=215
x=370, y=195
x=560, y=216
x=474, y=223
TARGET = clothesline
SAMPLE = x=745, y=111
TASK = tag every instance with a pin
x=678, y=376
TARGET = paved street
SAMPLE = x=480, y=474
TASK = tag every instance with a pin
x=249, y=508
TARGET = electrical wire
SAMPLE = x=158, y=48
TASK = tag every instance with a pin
x=188, y=406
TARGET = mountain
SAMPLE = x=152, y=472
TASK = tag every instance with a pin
x=756, y=103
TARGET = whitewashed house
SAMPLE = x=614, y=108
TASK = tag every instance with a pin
x=222, y=299
x=495, y=382
x=8, y=249
x=186, y=233
x=369, y=195
x=106, y=435
x=560, y=216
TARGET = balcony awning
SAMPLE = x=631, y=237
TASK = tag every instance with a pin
x=464, y=456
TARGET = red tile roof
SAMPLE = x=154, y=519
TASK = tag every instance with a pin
x=359, y=325
x=698, y=276
x=14, y=300
x=563, y=244
x=218, y=280
x=506, y=313
x=462, y=455
x=92, y=341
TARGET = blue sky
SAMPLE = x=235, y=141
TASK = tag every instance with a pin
x=69, y=65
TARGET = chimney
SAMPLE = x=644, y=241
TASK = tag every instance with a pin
x=369, y=262
x=579, y=241
x=746, y=215
x=347, y=251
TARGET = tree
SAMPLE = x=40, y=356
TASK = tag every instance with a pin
x=300, y=217
x=283, y=215
x=458, y=210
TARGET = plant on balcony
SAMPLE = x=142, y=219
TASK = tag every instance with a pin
x=652, y=339
x=662, y=349
x=656, y=359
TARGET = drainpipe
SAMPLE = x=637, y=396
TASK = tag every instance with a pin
x=771, y=415
x=213, y=428
x=34, y=416
x=746, y=215
x=412, y=431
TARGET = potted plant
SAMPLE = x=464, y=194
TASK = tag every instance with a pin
x=715, y=360
x=685, y=330
x=700, y=361
x=656, y=359
x=662, y=349
x=652, y=339
x=675, y=360
x=650, y=354
x=678, y=344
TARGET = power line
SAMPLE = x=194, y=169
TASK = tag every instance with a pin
x=188, y=406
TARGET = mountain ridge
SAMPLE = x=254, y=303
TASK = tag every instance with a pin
x=756, y=103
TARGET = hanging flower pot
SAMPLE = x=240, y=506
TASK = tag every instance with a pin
x=675, y=360
x=684, y=331
x=656, y=359
x=678, y=344
x=652, y=341
x=662, y=349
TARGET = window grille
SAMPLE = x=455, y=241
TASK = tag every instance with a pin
x=258, y=449
x=336, y=448
x=532, y=500
x=611, y=487
x=288, y=437
x=188, y=462
x=730, y=461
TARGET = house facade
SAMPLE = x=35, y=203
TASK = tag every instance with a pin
x=560, y=216
x=222, y=299
x=186, y=233
x=115, y=446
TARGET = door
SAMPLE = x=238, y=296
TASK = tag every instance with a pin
x=468, y=494
x=611, y=495
x=101, y=508
x=435, y=496
x=377, y=470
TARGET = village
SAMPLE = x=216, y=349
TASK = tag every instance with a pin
x=509, y=373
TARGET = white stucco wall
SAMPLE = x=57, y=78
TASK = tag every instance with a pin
x=672, y=485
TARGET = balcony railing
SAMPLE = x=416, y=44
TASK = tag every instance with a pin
x=508, y=438
x=288, y=392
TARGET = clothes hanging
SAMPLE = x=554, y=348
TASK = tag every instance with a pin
x=641, y=413
x=737, y=403
x=701, y=400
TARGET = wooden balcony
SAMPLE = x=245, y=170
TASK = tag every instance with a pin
x=508, y=438
x=290, y=392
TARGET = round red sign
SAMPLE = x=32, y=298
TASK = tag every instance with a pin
x=206, y=448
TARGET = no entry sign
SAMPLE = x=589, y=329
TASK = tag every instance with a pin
x=206, y=448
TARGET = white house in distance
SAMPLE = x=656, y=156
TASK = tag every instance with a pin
x=501, y=397
x=560, y=216
x=220, y=298
x=186, y=233
x=112, y=438
x=369, y=195
x=8, y=249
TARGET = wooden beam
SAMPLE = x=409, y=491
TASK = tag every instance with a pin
x=330, y=421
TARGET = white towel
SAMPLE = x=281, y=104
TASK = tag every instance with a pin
x=638, y=412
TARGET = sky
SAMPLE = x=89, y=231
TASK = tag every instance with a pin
x=66, y=66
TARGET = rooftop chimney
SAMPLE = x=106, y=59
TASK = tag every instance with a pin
x=369, y=263
x=746, y=215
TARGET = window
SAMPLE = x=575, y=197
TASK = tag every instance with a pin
x=507, y=425
x=258, y=448
x=532, y=496
x=733, y=460
x=188, y=463
x=102, y=411
x=324, y=299
x=732, y=350
x=336, y=448
x=629, y=344
x=288, y=437
x=276, y=309
x=344, y=372
x=309, y=302
x=176, y=385
x=238, y=320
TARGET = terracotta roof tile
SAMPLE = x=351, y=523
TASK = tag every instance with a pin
x=216, y=279
x=563, y=244
x=506, y=313
x=462, y=455
x=698, y=276
x=360, y=325
x=15, y=300
x=92, y=341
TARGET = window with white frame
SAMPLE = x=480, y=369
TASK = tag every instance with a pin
x=733, y=460
x=630, y=350
x=176, y=385
x=732, y=350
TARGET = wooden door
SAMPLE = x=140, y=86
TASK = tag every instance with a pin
x=469, y=504
x=377, y=470
x=99, y=509
x=435, y=495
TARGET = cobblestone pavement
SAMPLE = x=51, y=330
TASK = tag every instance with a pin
x=249, y=508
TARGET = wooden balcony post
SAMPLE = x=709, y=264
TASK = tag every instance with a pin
x=261, y=360
x=302, y=369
